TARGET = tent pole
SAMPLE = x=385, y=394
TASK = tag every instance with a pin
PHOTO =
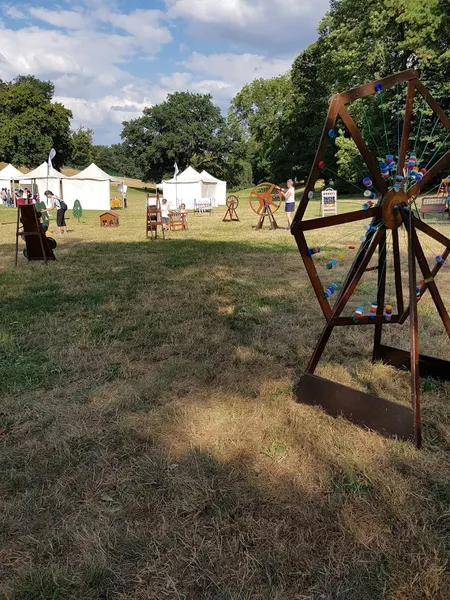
x=176, y=192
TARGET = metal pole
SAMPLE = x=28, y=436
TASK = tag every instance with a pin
x=414, y=332
x=17, y=235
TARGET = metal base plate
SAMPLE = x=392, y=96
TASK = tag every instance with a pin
x=428, y=365
x=383, y=416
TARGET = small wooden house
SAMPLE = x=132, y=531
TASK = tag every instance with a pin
x=109, y=219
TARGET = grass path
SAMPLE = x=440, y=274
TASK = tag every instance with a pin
x=150, y=447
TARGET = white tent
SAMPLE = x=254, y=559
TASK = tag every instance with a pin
x=8, y=176
x=44, y=180
x=221, y=188
x=190, y=185
x=91, y=187
x=186, y=188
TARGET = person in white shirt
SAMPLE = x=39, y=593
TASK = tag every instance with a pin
x=61, y=208
x=165, y=215
x=289, y=196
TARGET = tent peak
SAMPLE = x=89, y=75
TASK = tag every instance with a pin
x=10, y=172
x=94, y=172
x=42, y=172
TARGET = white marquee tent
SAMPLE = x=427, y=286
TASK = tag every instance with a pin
x=91, y=187
x=8, y=176
x=43, y=180
x=190, y=185
x=221, y=188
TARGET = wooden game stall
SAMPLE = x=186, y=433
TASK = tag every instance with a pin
x=109, y=219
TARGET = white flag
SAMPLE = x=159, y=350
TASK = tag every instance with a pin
x=51, y=156
x=175, y=166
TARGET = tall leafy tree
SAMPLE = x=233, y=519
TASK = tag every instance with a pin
x=31, y=124
x=359, y=42
x=82, y=148
x=184, y=126
x=257, y=109
x=300, y=126
x=116, y=160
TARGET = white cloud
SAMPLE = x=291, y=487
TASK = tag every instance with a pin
x=273, y=25
x=223, y=75
x=115, y=108
x=176, y=81
x=105, y=114
x=144, y=25
x=66, y=19
x=66, y=59
x=240, y=68
x=12, y=11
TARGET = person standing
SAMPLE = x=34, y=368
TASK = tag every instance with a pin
x=165, y=215
x=184, y=215
x=61, y=208
x=289, y=196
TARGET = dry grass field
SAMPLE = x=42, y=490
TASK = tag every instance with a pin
x=150, y=446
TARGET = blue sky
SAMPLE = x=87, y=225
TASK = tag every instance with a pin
x=109, y=60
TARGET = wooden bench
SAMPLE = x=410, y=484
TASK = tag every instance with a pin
x=433, y=204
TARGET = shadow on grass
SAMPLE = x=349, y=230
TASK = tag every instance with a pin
x=146, y=189
x=123, y=518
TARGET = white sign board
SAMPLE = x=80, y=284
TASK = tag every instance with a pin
x=329, y=202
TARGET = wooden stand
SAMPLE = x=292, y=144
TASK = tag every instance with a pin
x=154, y=220
x=31, y=231
x=265, y=200
x=392, y=211
x=231, y=214
x=266, y=212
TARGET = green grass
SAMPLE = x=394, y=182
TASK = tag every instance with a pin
x=150, y=444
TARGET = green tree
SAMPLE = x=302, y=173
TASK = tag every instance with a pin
x=186, y=125
x=31, y=124
x=300, y=126
x=115, y=160
x=258, y=109
x=82, y=148
x=359, y=42
x=102, y=157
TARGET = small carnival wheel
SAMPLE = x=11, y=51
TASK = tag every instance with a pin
x=232, y=201
x=265, y=194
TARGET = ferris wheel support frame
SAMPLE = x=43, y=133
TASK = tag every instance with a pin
x=381, y=415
